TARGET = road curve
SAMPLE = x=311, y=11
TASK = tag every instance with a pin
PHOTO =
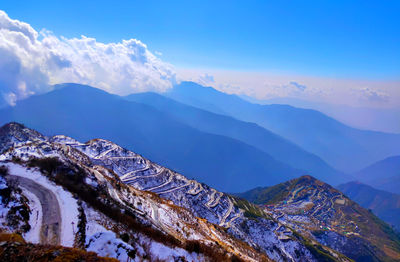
x=51, y=222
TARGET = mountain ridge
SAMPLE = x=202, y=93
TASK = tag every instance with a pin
x=384, y=204
x=383, y=174
x=84, y=113
x=307, y=203
x=313, y=131
x=249, y=133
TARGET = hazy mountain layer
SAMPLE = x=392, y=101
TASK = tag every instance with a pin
x=84, y=112
x=384, y=174
x=341, y=146
x=384, y=204
x=249, y=133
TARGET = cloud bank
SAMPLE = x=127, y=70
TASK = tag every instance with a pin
x=269, y=85
x=31, y=61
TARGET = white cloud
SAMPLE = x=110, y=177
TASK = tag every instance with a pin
x=31, y=61
x=290, y=89
x=206, y=80
x=372, y=95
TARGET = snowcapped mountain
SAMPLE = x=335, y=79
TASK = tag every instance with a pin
x=119, y=204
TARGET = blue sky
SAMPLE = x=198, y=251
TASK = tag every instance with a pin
x=345, y=39
x=343, y=54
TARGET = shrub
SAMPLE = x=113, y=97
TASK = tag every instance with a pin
x=3, y=171
x=14, y=237
x=46, y=165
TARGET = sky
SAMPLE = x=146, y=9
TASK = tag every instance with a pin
x=335, y=52
x=350, y=39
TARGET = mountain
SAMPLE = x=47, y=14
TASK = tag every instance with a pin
x=249, y=133
x=308, y=204
x=345, y=148
x=384, y=174
x=84, y=112
x=53, y=193
x=384, y=204
x=103, y=198
x=377, y=119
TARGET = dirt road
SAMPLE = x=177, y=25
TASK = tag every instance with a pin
x=51, y=222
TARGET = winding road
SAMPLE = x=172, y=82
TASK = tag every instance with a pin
x=51, y=222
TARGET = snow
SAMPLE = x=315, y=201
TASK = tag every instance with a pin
x=106, y=244
x=102, y=241
x=169, y=254
x=4, y=209
x=91, y=182
x=68, y=204
x=35, y=217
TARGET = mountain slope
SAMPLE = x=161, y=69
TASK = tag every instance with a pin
x=332, y=218
x=102, y=214
x=384, y=174
x=161, y=224
x=342, y=147
x=249, y=133
x=84, y=112
x=384, y=204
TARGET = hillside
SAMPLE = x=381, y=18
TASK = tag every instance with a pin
x=384, y=174
x=345, y=148
x=249, y=133
x=83, y=113
x=97, y=211
x=383, y=204
x=124, y=205
x=310, y=205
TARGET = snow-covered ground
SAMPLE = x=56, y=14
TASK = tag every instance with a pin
x=165, y=253
x=68, y=204
x=15, y=201
x=35, y=217
x=106, y=243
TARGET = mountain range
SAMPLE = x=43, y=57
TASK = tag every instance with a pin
x=343, y=147
x=384, y=204
x=84, y=112
x=384, y=174
x=249, y=133
x=116, y=203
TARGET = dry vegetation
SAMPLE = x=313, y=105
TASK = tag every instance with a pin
x=13, y=248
